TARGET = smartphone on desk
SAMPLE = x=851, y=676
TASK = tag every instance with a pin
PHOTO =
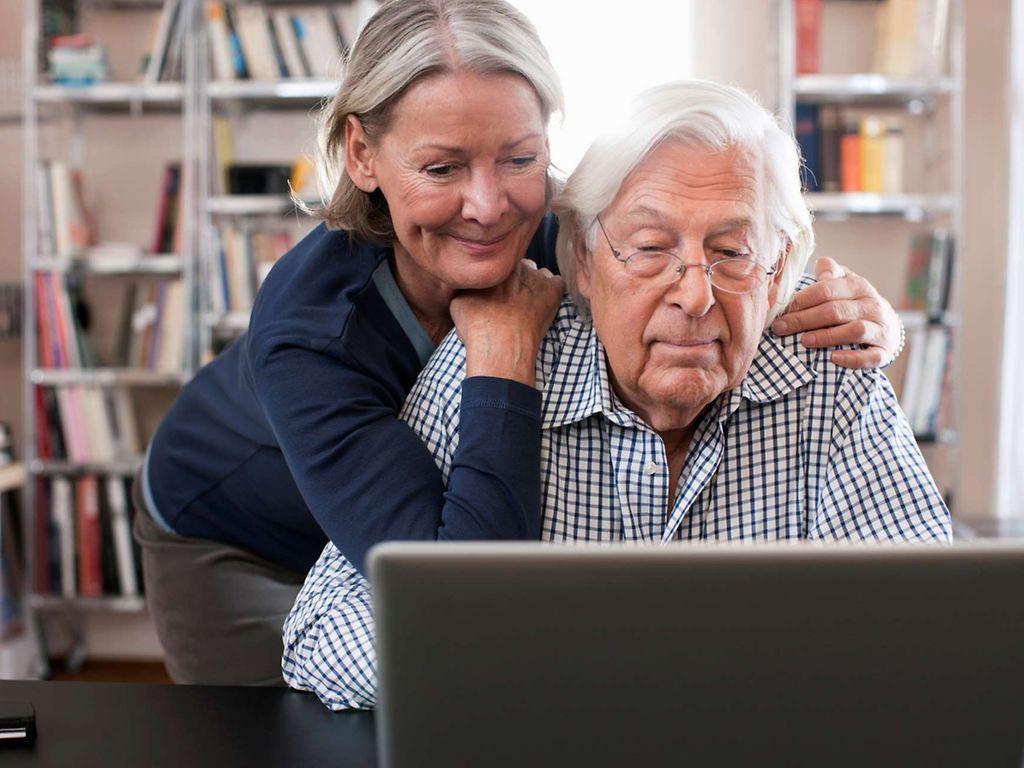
x=17, y=723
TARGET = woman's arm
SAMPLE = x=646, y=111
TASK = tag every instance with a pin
x=367, y=477
x=843, y=308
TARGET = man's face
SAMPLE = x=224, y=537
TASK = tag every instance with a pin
x=673, y=349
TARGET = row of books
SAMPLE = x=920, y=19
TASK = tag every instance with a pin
x=11, y=555
x=165, y=60
x=84, y=545
x=85, y=424
x=910, y=37
x=151, y=333
x=844, y=153
x=67, y=228
x=11, y=302
x=926, y=377
x=244, y=257
x=248, y=40
x=930, y=273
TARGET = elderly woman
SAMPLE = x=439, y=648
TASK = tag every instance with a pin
x=436, y=171
x=670, y=410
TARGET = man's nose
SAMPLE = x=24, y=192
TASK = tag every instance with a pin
x=484, y=199
x=692, y=289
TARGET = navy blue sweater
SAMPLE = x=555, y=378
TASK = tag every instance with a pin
x=292, y=432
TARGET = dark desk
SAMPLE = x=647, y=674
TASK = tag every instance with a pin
x=114, y=724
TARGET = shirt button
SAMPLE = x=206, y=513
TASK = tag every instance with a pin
x=650, y=467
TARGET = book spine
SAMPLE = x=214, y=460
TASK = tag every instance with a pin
x=90, y=574
x=808, y=36
x=807, y=137
x=849, y=157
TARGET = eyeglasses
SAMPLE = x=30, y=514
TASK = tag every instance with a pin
x=654, y=267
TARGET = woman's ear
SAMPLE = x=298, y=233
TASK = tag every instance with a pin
x=582, y=255
x=359, y=156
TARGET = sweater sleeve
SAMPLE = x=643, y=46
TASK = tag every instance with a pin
x=367, y=477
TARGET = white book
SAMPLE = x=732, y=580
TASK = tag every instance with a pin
x=127, y=439
x=97, y=425
x=122, y=535
x=220, y=41
x=161, y=41
x=172, y=329
x=254, y=36
x=933, y=373
x=917, y=340
x=320, y=42
x=289, y=44
x=44, y=204
x=63, y=208
x=63, y=511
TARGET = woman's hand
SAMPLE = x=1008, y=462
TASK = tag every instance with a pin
x=502, y=327
x=843, y=308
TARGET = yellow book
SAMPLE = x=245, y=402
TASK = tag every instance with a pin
x=872, y=148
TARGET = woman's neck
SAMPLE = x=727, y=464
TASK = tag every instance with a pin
x=428, y=297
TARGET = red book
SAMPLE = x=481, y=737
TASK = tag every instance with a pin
x=808, y=36
x=87, y=517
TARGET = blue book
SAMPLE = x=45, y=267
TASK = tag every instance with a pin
x=808, y=136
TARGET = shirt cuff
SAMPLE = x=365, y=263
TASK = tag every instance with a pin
x=505, y=394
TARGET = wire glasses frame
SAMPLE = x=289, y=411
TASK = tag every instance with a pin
x=737, y=274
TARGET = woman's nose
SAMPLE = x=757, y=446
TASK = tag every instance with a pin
x=484, y=199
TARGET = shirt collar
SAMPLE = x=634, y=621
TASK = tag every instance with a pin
x=579, y=385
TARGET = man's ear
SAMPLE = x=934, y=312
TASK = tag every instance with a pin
x=773, y=283
x=579, y=247
x=359, y=156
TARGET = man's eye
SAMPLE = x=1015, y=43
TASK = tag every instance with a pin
x=440, y=170
x=523, y=161
x=728, y=253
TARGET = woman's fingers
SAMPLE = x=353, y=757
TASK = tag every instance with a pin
x=871, y=357
x=854, y=332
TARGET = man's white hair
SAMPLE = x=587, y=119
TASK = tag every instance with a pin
x=699, y=114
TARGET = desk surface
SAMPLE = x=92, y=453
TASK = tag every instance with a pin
x=116, y=724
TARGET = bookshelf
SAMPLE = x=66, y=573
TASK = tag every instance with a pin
x=848, y=71
x=81, y=125
x=267, y=120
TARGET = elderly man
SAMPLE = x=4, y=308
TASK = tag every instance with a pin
x=670, y=412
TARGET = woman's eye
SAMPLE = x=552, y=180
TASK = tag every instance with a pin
x=440, y=170
x=524, y=161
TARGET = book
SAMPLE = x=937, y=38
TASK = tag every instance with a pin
x=164, y=41
x=122, y=536
x=929, y=273
x=295, y=64
x=849, y=157
x=872, y=147
x=62, y=512
x=257, y=47
x=221, y=53
x=807, y=136
x=320, y=41
x=807, y=14
x=892, y=160
x=911, y=38
x=87, y=515
x=829, y=135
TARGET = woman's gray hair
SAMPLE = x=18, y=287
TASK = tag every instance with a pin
x=702, y=114
x=404, y=41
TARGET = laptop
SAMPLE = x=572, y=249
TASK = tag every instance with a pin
x=795, y=654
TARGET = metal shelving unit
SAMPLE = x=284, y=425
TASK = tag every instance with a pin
x=74, y=106
x=921, y=97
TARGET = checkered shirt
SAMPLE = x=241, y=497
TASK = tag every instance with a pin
x=802, y=449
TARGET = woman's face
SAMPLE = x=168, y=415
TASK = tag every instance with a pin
x=464, y=170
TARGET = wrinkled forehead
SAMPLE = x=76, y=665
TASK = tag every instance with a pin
x=689, y=187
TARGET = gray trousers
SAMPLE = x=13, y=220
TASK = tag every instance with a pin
x=218, y=610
